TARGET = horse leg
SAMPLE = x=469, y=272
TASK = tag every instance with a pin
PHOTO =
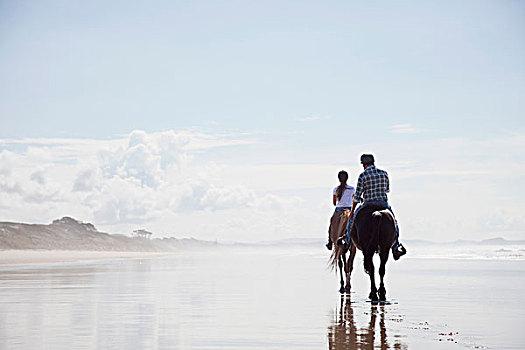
x=369, y=267
x=340, y=263
x=345, y=267
x=350, y=266
x=382, y=270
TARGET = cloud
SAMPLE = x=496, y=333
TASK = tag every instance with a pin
x=39, y=176
x=310, y=118
x=87, y=179
x=403, y=129
x=211, y=197
x=26, y=176
x=134, y=179
x=192, y=184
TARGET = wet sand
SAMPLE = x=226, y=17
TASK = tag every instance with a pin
x=36, y=257
x=260, y=299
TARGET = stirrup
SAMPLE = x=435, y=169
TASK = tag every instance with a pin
x=399, y=252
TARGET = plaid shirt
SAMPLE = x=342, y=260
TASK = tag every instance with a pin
x=373, y=185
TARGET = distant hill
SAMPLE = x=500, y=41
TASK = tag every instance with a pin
x=70, y=234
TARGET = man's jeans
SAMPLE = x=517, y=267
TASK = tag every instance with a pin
x=379, y=204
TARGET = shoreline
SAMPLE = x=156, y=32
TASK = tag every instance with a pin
x=31, y=257
x=13, y=257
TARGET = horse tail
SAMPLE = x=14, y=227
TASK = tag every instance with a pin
x=337, y=226
x=367, y=260
x=378, y=236
x=332, y=261
x=334, y=258
x=369, y=254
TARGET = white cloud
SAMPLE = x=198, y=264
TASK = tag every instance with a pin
x=441, y=189
x=136, y=179
x=87, y=179
x=311, y=118
x=404, y=129
x=39, y=176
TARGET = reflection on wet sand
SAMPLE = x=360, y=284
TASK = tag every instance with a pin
x=344, y=334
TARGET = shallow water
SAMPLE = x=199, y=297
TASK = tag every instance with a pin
x=260, y=299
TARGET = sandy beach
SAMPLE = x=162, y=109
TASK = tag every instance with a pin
x=35, y=257
x=266, y=298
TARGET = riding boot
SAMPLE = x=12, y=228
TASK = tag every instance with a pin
x=397, y=249
x=329, y=244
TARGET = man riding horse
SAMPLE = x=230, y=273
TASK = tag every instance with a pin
x=372, y=188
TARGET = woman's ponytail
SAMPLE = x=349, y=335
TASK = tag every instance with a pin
x=343, y=177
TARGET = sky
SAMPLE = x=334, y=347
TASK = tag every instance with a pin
x=230, y=120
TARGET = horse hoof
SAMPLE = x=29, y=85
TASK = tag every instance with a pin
x=347, y=289
x=373, y=297
x=342, y=290
x=382, y=294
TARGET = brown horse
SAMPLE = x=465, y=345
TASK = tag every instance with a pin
x=338, y=224
x=373, y=231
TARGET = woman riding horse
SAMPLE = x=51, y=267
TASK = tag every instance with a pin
x=339, y=224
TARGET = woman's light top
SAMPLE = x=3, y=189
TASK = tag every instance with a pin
x=346, y=198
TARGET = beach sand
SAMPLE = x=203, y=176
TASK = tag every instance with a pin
x=35, y=257
x=236, y=298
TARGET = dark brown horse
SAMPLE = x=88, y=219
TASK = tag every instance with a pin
x=338, y=224
x=373, y=231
